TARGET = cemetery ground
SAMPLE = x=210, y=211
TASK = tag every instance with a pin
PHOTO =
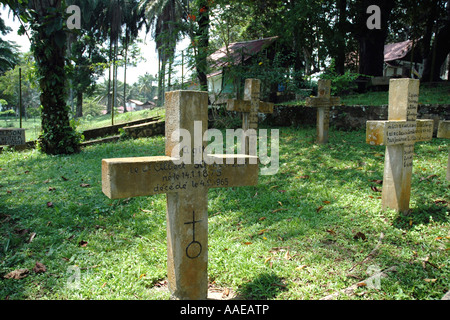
x=312, y=230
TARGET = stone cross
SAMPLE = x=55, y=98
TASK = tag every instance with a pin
x=323, y=102
x=398, y=134
x=186, y=185
x=12, y=136
x=444, y=132
x=250, y=106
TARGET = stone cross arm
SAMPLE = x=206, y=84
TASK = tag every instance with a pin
x=144, y=176
x=245, y=106
x=394, y=132
x=322, y=101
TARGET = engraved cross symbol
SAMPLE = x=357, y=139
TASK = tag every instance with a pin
x=194, y=246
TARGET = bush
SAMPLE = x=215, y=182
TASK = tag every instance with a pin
x=340, y=83
x=7, y=113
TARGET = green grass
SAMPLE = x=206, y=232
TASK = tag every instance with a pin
x=436, y=94
x=289, y=237
x=33, y=125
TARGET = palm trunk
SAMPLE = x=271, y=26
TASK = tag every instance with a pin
x=125, y=77
x=58, y=136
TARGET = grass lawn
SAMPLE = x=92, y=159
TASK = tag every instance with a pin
x=33, y=125
x=304, y=233
x=429, y=94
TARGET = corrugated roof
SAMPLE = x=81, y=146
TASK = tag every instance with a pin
x=238, y=52
x=396, y=51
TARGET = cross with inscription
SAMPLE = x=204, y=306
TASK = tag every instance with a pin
x=399, y=134
x=250, y=106
x=186, y=185
x=444, y=132
x=323, y=102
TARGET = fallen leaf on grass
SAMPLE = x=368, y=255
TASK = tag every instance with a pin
x=247, y=243
x=280, y=209
x=301, y=267
x=17, y=274
x=361, y=284
x=303, y=177
x=359, y=235
x=49, y=204
x=430, y=280
x=85, y=185
x=440, y=201
x=39, y=268
x=375, y=189
x=82, y=243
x=319, y=208
x=377, y=181
x=64, y=178
x=428, y=178
x=32, y=235
x=287, y=256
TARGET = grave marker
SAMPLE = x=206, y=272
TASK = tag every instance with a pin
x=186, y=185
x=323, y=102
x=444, y=132
x=12, y=136
x=398, y=134
x=250, y=106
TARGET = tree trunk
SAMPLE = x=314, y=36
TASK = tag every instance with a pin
x=58, y=136
x=203, y=44
x=340, y=43
x=438, y=53
x=125, y=77
x=109, y=98
x=371, y=41
x=79, y=111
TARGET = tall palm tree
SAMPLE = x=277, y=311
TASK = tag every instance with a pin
x=165, y=17
x=49, y=36
x=8, y=56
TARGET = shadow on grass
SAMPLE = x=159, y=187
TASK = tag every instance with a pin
x=422, y=215
x=264, y=287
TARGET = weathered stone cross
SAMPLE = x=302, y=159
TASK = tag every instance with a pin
x=399, y=134
x=186, y=185
x=444, y=132
x=323, y=102
x=250, y=106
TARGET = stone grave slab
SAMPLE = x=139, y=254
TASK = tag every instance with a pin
x=12, y=136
